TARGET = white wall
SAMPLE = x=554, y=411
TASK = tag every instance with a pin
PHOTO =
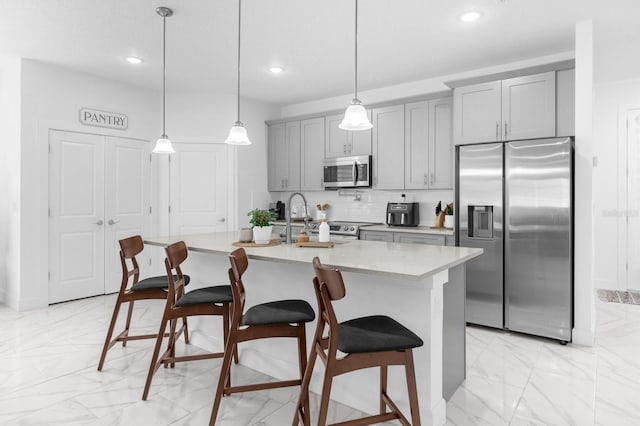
x=10, y=180
x=584, y=303
x=51, y=99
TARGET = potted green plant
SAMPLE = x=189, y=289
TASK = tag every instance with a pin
x=262, y=226
x=448, y=216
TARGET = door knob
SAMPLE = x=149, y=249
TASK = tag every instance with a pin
x=222, y=219
x=99, y=223
x=112, y=222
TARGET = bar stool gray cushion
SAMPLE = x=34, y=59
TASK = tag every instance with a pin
x=280, y=312
x=375, y=334
x=154, y=283
x=215, y=294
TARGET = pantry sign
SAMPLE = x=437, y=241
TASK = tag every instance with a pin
x=97, y=118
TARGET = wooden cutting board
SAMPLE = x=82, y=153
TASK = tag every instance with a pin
x=253, y=244
x=315, y=244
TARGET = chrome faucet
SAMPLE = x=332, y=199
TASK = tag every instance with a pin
x=288, y=215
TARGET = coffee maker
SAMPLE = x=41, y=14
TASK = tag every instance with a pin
x=403, y=214
x=277, y=209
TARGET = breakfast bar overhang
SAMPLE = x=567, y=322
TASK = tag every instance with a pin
x=421, y=286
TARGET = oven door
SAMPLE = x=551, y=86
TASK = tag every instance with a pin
x=347, y=172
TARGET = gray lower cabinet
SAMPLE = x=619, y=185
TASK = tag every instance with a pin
x=403, y=237
x=429, y=239
x=376, y=236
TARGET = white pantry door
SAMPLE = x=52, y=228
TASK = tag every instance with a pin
x=633, y=199
x=99, y=193
x=76, y=211
x=198, y=188
x=128, y=201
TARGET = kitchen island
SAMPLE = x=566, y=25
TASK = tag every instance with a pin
x=420, y=286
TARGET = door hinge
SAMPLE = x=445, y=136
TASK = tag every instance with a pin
x=626, y=266
x=149, y=261
x=169, y=209
x=49, y=211
x=149, y=209
x=150, y=157
x=49, y=276
x=49, y=148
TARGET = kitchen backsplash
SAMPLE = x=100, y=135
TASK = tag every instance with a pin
x=372, y=206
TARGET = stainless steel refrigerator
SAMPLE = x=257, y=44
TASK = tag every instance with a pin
x=515, y=200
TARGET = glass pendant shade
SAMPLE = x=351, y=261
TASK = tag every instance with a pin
x=238, y=135
x=163, y=146
x=355, y=117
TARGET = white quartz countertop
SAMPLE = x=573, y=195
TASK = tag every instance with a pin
x=409, y=229
x=412, y=261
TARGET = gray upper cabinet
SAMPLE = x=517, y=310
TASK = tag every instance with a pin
x=388, y=147
x=477, y=113
x=428, y=144
x=312, y=153
x=441, y=143
x=284, y=156
x=565, y=103
x=529, y=106
x=416, y=145
x=341, y=143
x=515, y=108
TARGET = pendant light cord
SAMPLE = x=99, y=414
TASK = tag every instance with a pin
x=164, y=73
x=239, y=21
x=355, y=73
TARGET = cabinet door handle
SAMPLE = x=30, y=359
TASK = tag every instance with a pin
x=350, y=148
x=99, y=223
x=433, y=178
x=344, y=148
x=497, y=130
x=505, y=130
x=425, y=179
x=112, y=222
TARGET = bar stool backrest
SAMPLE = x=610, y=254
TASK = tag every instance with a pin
x=129, y=249
x=239, y=264
x=176, y=254
x=331, y=278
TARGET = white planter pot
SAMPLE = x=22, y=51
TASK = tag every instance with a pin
x=448, y=221
x=262, y=234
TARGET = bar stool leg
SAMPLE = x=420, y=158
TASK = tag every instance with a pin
x=326, y=391
x=186, y=330
x=154, y=358
x=173, y=339
x=107, y=340
x=411, y=388
x=302, y=360
x=383, y=388
x=303, y=399
x=224, y=376
x=128, y=323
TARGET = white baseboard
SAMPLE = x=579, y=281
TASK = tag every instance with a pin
x=583, y=336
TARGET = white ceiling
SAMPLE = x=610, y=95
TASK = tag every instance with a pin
x=399, y=40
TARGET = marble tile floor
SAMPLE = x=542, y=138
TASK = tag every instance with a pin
x=48, y=376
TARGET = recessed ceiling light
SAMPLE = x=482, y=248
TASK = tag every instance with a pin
x=470, y=16
x=276, y=69
x=134, y=60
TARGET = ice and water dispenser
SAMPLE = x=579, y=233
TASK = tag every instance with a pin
x=480, y=221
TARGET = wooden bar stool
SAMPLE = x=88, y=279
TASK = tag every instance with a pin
x=215, y=300
x=147, y=289
x=373, y=341
x=283, y=318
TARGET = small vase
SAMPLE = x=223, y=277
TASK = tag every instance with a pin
x=262, y=234
x=448, y=221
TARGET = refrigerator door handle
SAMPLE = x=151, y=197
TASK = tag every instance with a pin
x=497, y=130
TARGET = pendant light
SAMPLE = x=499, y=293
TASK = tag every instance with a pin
x=355, y=117
x=238, y=133
x=163, y=144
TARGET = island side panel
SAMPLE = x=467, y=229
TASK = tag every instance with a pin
x=454, y=332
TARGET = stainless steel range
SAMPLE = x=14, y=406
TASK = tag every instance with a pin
x=342, y=230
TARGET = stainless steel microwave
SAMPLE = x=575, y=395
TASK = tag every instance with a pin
x=347, y=172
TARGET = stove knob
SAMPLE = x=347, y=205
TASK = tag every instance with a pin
x=353, y=228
